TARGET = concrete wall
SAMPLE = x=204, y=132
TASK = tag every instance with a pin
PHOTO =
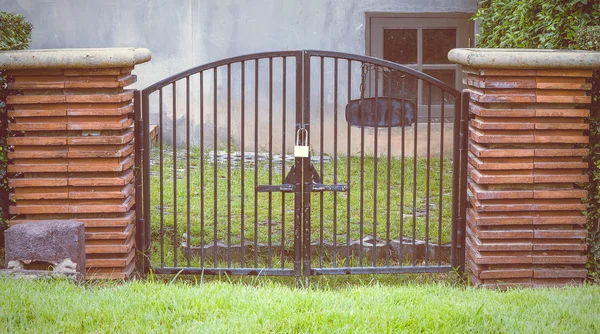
x=187, y=33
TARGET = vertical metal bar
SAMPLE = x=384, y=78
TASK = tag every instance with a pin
x=255, y=163
x=202, y=231
x=187, y=160
x=146, y=180
x=174, y=97
x=138, y=133
x=335, y=156
x=389, y=164
x=283, y=156
x=456, y=170
x=427, y=183
x=375, y=161
x=414, y=202
x=298, y=166
x=362, y=168
x=461, y=235
x=441, y=187
x=305, y=168
x=349, y=161
x=322, y=135
x=243, y=164
x=228, y=165
x=270, y=201
x=402, y=167
x=215, y=169
x=161, y=183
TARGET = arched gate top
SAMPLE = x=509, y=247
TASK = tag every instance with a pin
x=298, y=54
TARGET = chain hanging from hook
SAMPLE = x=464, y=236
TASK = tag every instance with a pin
x=389, y=73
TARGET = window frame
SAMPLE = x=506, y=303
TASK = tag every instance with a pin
x=377, y=22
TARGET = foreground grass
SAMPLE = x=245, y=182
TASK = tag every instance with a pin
x=136, y=307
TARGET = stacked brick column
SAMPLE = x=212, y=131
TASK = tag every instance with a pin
x=525, y=226
x=73, y=147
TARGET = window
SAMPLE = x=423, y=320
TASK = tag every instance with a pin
x=420, y=41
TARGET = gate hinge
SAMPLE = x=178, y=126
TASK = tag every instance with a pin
x=459, y=233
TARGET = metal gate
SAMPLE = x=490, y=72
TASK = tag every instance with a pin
x=301, y=163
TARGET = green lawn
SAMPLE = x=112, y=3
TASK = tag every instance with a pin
x=270, y=219
x=267, y=307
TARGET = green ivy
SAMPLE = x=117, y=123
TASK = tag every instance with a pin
x=15, y=34
x=554, y=24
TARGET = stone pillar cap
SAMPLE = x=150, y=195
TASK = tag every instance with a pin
x=525, y=58
x=73, y=58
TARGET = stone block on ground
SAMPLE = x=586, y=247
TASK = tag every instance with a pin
x=57, y=246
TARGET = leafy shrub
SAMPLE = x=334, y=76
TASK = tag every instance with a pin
x=543, y=24
x=15, y=34
x=589, y=39
x=556, y=24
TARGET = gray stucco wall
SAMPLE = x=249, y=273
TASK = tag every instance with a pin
x=186, y=33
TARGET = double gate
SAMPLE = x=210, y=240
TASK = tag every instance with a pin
x=301, y=163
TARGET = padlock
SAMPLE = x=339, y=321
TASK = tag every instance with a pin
x=301, y=151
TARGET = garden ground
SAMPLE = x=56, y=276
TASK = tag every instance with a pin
x=215, y=203
x=329, y=305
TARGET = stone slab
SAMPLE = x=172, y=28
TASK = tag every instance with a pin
x=73, y=58
x=519, y=59
x=111, y=272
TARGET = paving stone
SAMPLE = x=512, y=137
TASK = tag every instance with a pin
x=480, y=110
x=500, y=163
x=576, y=219
x=99, y=109
x=560, y=273
x=96, y=261
x=482, y=151
x=562, y=113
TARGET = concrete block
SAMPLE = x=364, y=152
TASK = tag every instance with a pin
x=56, y=245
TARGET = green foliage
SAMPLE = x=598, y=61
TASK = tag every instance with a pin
x=556, y=24
x=545, y=24
x=589, y=39
x=15, y=34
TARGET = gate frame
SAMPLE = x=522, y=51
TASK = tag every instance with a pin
x=302, y=191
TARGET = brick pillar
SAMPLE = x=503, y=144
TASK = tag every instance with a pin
x=527, y=124
x=73, y=151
